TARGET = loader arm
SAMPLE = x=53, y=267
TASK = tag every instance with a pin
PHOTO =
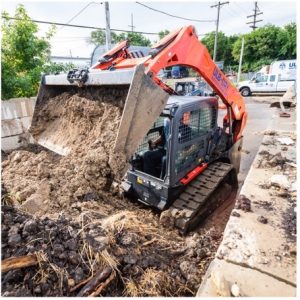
x=182, y=47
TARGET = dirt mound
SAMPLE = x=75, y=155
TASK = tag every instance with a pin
x=146, y=259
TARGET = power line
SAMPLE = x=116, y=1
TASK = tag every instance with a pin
x=219, y=5
x=82, y=26
x=256, y=13
x=167, y=14
x=81, y=11
x=87, y=27
x=230, y=12
x=240, y=7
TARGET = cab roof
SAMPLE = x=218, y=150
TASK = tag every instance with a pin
x=186, y=100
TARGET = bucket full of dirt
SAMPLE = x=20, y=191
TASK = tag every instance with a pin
x=113, y=108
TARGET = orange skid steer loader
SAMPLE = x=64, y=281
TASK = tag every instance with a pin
x=191, y=156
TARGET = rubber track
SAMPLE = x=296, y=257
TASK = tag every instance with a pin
x=195, y=196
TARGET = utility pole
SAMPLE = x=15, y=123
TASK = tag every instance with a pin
x=132, y=27
x=256, y=13
x=241, y=60
x=107, y=31
x=219, y=5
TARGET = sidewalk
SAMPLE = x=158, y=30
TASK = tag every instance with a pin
x=257, y=256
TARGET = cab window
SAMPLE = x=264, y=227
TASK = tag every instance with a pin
x=262, y=78
x=272, y=78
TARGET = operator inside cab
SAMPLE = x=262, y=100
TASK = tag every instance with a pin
x=156, y=156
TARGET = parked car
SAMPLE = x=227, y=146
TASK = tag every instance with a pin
x=277, y=77
x=184, y=88
x=179, y=72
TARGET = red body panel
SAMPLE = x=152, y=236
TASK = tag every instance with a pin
x=193, y=174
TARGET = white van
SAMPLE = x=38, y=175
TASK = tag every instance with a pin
x=276, y=78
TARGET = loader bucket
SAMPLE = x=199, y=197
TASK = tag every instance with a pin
x=138, y=98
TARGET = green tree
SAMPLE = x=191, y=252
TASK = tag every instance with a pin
x=135, y=39
x=163, y=33
x=288, y=38
x=224, y=49
x=98, y=38
x=25, y=56
x=266, y=44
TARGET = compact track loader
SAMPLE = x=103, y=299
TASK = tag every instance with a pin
x=198, y=160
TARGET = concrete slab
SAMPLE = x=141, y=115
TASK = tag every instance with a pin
x=262, y=246
x=257, y=243
x=26, y=122
x=11, y=127
x=17, y=108
x=10, y=143
x=222, y=275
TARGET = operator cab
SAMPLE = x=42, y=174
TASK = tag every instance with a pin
x=191, y=121
x=193, y=126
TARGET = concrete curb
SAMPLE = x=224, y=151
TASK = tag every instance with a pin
x=255, y=256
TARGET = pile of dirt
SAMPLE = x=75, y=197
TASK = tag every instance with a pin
x=146, y=259
x=44, y=182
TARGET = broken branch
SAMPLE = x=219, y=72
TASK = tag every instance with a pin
x=14, y=263
x=95, y=281
x=103, y=285
x=73, y=289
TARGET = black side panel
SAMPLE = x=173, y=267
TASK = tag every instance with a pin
x=194, y=127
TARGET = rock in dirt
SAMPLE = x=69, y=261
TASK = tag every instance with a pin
x=235, y=214
x=30, y=226
x=243, y=203
x=188, y=269
x=166, y=219
x=235, y=290
x=285, y=141
x=280, y=181
x=262, y=219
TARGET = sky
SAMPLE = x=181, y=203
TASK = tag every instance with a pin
x=73, y=41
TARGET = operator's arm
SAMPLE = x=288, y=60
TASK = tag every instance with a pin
x=162, y=139
x=155, y=143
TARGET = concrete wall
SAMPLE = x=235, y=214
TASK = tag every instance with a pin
x=16, y=115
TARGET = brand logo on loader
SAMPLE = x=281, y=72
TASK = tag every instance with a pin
x=220, y=79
